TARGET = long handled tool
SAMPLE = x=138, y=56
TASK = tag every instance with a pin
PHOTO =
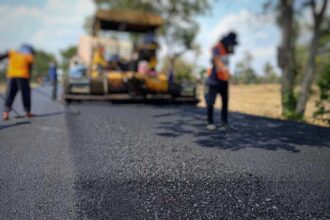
x=17, y=115
x=66, y=105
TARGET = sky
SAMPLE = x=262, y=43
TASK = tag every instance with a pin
x=53, y=25
x=256, y=29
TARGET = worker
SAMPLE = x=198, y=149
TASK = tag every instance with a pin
x=218, y=77
x=98, y=58
x=53, y=79
x=114, y=63
x=147, y=51
x=98, y=61
x=18, y=75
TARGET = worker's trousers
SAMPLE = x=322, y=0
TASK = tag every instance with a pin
x=54, y=89
x=211, y=95
x=13, y=85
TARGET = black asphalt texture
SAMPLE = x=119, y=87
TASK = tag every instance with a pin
x=158, y=161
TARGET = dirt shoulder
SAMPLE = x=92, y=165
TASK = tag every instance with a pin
x=261, y=100
x=2, y=87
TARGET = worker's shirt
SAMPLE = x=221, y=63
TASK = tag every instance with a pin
x=98, y=59
x=52, y=72
x=217, y=54
x=19, y=65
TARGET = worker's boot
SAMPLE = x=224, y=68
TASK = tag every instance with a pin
x=224, y=127
x=5, y=116
x=211, y=127
x=30, y=115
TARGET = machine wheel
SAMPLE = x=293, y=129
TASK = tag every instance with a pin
x=193, y=102
x=136, y=87
x=96, y=87
x=67, y=87
x=67, y=101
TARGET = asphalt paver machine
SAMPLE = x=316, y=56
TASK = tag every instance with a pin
x=118, y=61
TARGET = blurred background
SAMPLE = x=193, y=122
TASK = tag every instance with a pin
x=280, y=69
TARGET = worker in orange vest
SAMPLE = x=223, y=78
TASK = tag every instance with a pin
x=218, y=77
x=18, y=74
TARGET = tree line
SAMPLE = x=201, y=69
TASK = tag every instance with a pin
x=42, y=60
x=288, y=13
x=300, y=65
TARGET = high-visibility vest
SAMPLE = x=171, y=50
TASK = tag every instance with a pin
x=222, y=71
x=19, y=65
x=221, y=49
x=98, y=59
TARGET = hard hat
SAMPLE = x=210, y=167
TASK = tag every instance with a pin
x=230, y=39
x=27, y=49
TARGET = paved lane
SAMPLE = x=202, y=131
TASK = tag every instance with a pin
x=134, y=161
x=159, y=162
x=36, y=176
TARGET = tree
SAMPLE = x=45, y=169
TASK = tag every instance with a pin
x=42, y=59
x=269, y=74
x=180, y=27
x=310, y=69
x=3, y=71
x=182, y=68
x=286, y=13
x=324, y=52
x=244, y=73
x=286, y=55
x=67, y=54
x=126, y=4
x=323, y=104
x=301, y=56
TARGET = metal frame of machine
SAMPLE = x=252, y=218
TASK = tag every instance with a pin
x=91, y=84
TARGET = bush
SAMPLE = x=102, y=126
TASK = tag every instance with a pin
x=323, y=104
x=2, y=76
x=183, y=76
x=42, y=59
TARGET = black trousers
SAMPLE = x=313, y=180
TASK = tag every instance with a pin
x=213, y=90
x=54, y=89
x=13, y=85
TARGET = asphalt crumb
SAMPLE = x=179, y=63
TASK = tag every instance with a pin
x=144, y=162
x=232, y=197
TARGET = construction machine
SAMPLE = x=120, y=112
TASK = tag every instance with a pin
x=118, y=61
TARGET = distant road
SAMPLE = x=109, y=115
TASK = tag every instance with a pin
x=136, y=161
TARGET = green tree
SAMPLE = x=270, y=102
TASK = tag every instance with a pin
x=42, y=59
x=323, y=104
x=180, y=26
x=244, y=73
x=310, y=69
x=145, y=5
x=66, y=55
x=270, y=75
x=182, y=68
x=287, y=13
x=286, y=55
x=301, y=56
x=323, y=56
x=3, y=72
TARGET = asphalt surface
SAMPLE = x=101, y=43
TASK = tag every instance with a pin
x=156, y=161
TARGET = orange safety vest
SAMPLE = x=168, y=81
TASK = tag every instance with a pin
x=223, y=72
x=19, y=65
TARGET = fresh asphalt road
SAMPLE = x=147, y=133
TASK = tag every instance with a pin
x=148, y=161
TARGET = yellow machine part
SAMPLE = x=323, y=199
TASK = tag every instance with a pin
x=114, y=75
x=157, y=83
x=116, y=79
x=94, y=74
